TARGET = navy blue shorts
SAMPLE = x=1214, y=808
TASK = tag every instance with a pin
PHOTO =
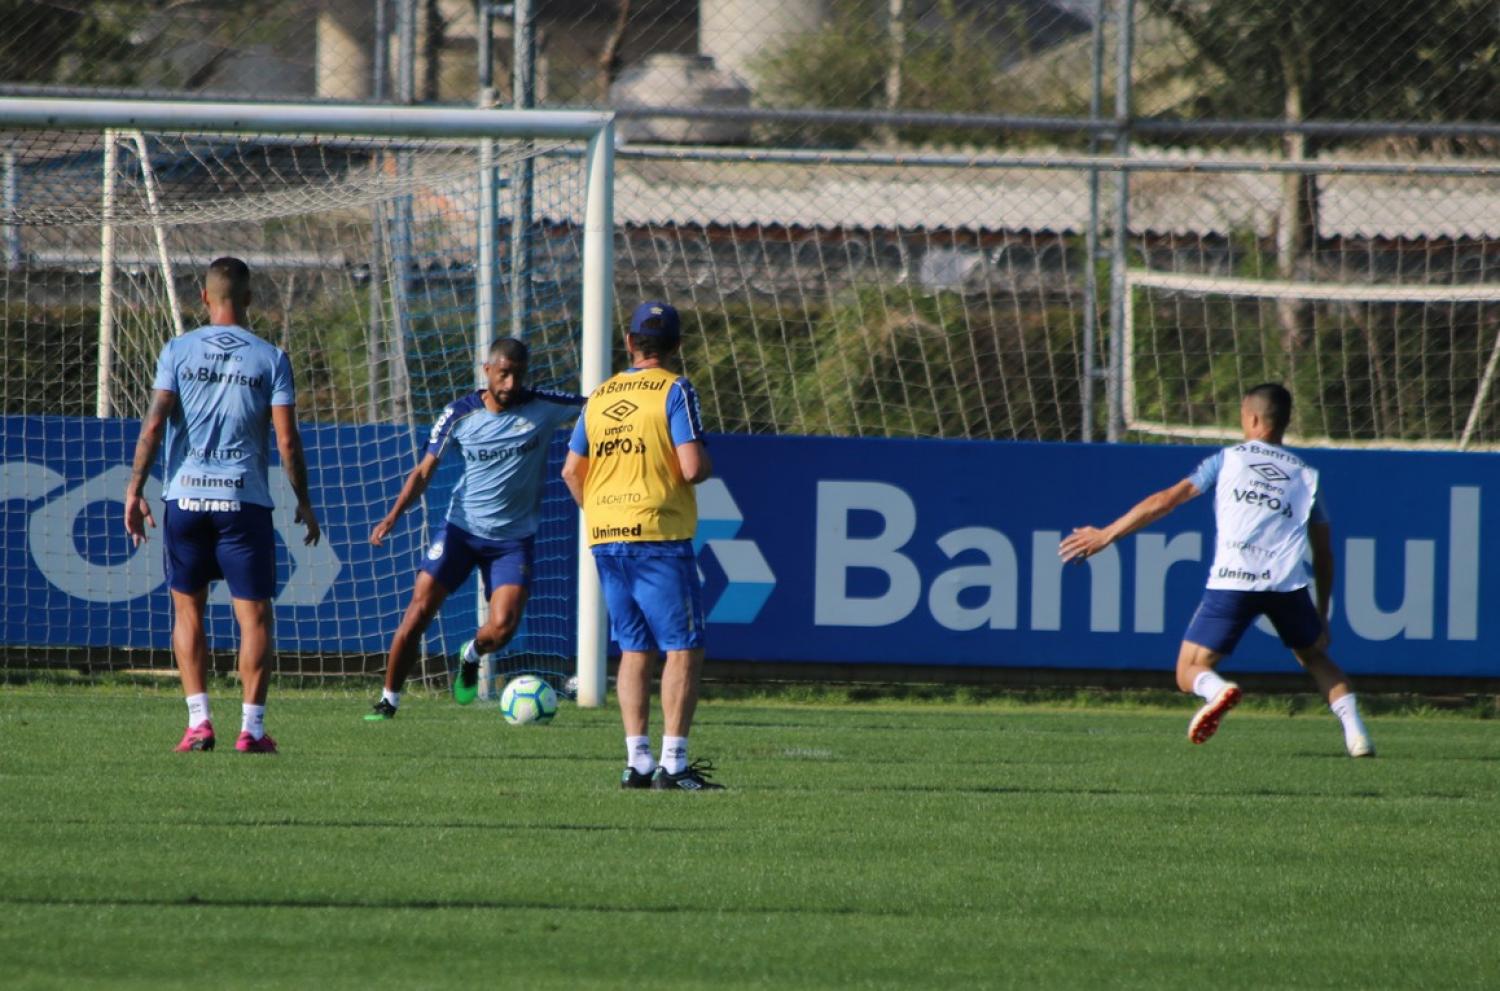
x=1225, y=614
x=457, y=552
x=207, y=542
x=655, y=603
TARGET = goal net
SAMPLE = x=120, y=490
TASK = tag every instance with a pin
x=1369, y=364
x=388, y=248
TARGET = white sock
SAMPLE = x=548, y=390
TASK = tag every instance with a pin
x=471, y=653
x=1208, y=684
x=1348, y=712
x=254, y=720
x=638, y=753
x=198, y=709
x=394, y=698
x=674, y=754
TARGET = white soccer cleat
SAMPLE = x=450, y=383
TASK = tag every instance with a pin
x=1205, y=722
x=1360, y=746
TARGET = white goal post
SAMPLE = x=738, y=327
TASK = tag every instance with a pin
x=595, y=130
x=1203, y=287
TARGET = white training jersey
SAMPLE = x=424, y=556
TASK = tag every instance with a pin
x=1264, y=496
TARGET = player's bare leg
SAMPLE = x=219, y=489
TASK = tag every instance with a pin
x=189, y=641
x=256, y=624
x=679, y=690
x=679, y=700
x=1196, y=675
x=254, y=617
x=633, y=690
x=190, y=650
x=426, y=598
x=507, y=603
x=1339, y=694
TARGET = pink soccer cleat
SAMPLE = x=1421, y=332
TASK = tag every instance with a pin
x=200, y=737
x=248, y=744
x=1206, y=720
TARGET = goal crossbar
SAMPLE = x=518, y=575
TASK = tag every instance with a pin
x=596, y=129
x=1238, y=287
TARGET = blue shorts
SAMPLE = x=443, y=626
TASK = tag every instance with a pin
x=655, y=602
x=457, y=552
x=1225, y=614
x=204, y=543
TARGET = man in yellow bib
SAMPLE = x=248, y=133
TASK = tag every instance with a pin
x=634, y=458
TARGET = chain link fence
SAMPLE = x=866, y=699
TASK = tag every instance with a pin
x=936, y=217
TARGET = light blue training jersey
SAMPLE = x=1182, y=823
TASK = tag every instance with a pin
x=499, y=496
x=219, y=438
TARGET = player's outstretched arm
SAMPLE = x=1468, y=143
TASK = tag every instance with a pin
x=694, y=460
x=137, y=509
x=416, y=483
x=1086, y=541
x=294, y=463
x=575, y=471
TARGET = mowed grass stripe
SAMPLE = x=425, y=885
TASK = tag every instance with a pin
x=860, y=846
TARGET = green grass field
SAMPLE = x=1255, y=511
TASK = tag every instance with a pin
x=895, y=845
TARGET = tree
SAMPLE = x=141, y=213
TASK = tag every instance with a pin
x=84, y=44
x=1301, y=60
x=945, y=55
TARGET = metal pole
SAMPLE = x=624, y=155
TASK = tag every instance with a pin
x=104, y=404
x=375, y=335
x=485, y=271
x=12, y=232
x=598, y=267
x=1115, y=385
x=1091, y=236
x=485, y=277
x=164, y=257
x=524, y=95
x=400, y=259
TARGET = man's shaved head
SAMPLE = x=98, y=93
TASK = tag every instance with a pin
x=1273, y=403
x=227, y=281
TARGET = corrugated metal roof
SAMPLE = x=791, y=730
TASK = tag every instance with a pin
x=999, y=199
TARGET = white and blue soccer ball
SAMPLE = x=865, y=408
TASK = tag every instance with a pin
x=528, y=699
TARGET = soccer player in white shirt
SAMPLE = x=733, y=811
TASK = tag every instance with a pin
x=1267, y=515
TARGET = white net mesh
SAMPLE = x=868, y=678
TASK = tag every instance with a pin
x=363, y=254
x=1390, y=365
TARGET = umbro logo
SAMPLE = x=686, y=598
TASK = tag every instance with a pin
x=1270, y=472
x=226, y=342
x=620, y=410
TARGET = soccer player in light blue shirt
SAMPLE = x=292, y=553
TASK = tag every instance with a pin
x=502, y=432
x=218, y=391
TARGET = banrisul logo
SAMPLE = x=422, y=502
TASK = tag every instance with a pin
x=748, y=580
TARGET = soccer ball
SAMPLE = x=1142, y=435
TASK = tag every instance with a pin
x=528, y=699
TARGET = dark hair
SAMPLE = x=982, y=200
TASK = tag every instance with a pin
x=1275, y=403
x=653, y=346
x=511, y=349
x=228, y=278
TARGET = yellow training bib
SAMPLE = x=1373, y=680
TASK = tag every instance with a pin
x=634, y=489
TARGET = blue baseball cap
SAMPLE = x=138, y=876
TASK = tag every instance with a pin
x=655, y=319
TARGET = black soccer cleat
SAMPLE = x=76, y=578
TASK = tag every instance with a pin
x=381, y=710
x=694, y=777
x=635, y=779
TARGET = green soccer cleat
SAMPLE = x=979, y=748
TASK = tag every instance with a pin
x=466, y=685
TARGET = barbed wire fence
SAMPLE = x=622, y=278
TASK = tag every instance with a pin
x=1059, y=219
